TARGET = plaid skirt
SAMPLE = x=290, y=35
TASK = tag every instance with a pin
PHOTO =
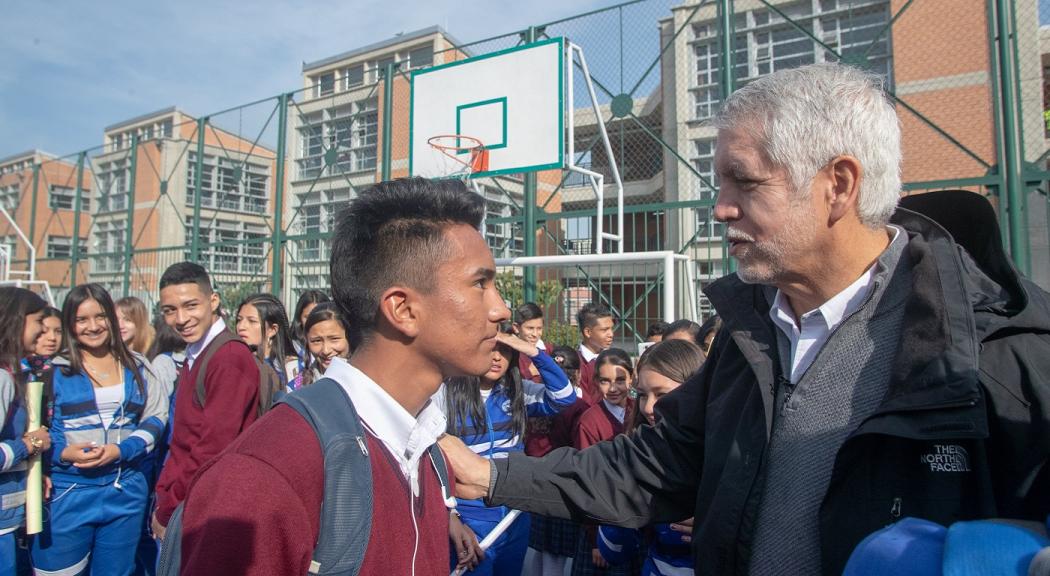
x=554, y=535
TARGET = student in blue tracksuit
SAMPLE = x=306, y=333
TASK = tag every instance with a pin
x=21, y=316
x=109, y=412
x=489, y=414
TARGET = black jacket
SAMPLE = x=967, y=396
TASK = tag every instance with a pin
x=963, y=433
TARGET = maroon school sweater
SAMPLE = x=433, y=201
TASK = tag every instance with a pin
x=589, y=381
x=597, y=424
x=231, y=403
x=256, y=509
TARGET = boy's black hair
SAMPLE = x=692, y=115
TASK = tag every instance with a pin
x=589, y=315
x=658, y=328
x=567, y=358
x=527, y=311
x=393, y=234
x=186, y=273
x=689, y=327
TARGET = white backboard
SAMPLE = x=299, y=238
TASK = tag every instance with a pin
x=512, y=100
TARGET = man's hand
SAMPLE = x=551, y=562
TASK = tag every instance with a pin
x=472, y=471
x=598, y=559
x=157, y=528
x=685, y=528
x=465, y=541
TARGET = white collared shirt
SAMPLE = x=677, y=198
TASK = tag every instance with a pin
x=817, y=325
x=618, y=412
x=195, y=349
x=406, y=437
x=588, y=356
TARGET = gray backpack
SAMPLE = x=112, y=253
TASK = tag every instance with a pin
x=346, y=509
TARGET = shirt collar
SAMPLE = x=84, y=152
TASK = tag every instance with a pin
x=405, y=436
x=194, y=350
x=618, y=412
x=588, y=356
x=837, y=308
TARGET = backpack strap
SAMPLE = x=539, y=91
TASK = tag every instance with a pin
x=219, y=341
x=346, y=509
x=437, y=458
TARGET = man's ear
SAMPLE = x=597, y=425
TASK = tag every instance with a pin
x=843, y=192
x=215, y=303
x=402, y=309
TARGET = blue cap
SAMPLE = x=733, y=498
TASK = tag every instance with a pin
x=990, y=548
x=910, y=547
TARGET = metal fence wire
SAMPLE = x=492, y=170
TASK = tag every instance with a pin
x=251, y=192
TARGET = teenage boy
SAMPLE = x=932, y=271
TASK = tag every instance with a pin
x=528, y=321
x=231, y=385
x=596, y=328
x=416, y=282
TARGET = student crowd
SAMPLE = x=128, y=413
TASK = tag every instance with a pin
x=872, y=399
x=119, y=461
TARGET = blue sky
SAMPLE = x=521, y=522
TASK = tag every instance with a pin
x=71, y=68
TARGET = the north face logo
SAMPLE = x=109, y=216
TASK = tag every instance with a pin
x=947, y=458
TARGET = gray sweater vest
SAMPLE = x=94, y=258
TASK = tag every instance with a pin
x=843, y=386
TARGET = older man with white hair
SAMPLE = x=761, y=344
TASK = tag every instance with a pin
x=869, y=367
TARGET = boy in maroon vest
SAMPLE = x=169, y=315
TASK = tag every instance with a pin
x=596, y=328
x=231, y=385
x=415, y=280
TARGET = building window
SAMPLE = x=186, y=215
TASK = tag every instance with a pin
x=9, y=196
x=325, y=84
x=766, y=42
x=703, y=160
x=59, y=247
x=354, y=76
x=350, y=130
x=229, y=184
x=64, y=198
x=108, y=246
x=113, y=179
x=231, y=247
x=421, y=57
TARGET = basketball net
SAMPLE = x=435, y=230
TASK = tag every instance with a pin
x=459, y=155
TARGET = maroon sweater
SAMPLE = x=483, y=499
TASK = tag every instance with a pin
x=257, y=508
x=597, y=424
x=231, y=400
x=589, y=381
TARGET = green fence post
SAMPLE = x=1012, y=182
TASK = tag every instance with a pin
x=529, y=200
x=32, y=206
x=195, y=242
x=1000, y=187
x=725, y=22
x=129, y=237
x=388, y=118
x=1010, y=165
x=278, y=223
x=76, y=218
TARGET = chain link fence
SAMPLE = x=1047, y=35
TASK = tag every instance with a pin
x=251, y=192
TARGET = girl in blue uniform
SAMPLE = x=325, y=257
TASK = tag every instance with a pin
x=109, y=412
x=489, y=415
x=21, y=314
x=263, y=325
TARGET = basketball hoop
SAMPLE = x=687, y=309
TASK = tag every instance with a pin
x=461, y=155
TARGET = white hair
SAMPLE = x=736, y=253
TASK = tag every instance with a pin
x=807, y=116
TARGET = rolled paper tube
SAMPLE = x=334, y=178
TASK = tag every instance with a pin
x=498, y=531
x=35, y=478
